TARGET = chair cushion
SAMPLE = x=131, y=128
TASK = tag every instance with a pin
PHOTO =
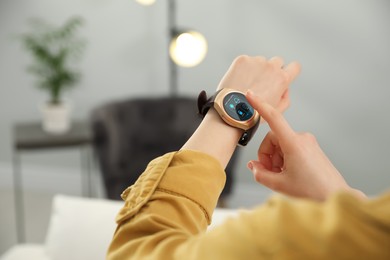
x=26, y=251
x=80, y=228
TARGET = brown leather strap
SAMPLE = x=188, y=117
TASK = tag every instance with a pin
x=248, y=134
x=205, y=103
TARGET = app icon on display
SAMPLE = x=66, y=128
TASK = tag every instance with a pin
x=237, y=107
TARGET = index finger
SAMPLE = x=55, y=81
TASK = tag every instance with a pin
x=293, y=69
x=274, y=118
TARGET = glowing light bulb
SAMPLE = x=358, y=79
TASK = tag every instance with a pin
x=188, y=49
x=145, y=2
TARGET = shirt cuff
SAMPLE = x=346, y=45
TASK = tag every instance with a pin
x=194, y=175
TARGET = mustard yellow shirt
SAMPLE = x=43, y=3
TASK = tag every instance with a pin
x=168, y=209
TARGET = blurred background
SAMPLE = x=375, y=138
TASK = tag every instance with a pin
x=341, y=95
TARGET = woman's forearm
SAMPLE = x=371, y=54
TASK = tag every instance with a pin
x=215, y=138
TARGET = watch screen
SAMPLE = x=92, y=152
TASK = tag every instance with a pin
x=237, y=107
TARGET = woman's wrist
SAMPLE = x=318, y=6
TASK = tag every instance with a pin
x=214, y=137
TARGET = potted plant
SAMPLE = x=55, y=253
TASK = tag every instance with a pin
x=54, y=51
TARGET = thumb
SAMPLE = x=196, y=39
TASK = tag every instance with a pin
x=270, y=179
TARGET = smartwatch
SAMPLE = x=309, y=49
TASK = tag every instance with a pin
x=235, y=110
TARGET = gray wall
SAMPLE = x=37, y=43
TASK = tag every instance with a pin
x=341, y=95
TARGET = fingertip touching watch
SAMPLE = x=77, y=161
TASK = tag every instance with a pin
x=233, y=107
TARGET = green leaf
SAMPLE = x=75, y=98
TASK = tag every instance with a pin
x=54, y=51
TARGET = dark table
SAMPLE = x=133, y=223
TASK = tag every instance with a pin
x=30, y=137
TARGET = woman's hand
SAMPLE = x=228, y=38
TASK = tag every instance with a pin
x=293, y=163
x=268, y=79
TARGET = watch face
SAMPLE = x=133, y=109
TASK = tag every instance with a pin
x=237, y=107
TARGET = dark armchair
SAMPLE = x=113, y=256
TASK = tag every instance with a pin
x=130, y=133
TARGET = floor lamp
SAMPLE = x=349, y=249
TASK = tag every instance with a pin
x=187, y=48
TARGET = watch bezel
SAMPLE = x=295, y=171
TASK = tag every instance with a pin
x=219, y=107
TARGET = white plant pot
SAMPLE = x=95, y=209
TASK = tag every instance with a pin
x=56, y=117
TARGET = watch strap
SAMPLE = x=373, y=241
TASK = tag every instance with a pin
x=204, y=103
x=248, y=134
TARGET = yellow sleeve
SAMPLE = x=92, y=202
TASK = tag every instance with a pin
x=167, y=211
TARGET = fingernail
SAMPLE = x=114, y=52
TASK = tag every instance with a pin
x=250, y=166
x=250, y=93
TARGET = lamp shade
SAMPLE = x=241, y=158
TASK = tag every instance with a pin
x=146, y=2
x=188, y=49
